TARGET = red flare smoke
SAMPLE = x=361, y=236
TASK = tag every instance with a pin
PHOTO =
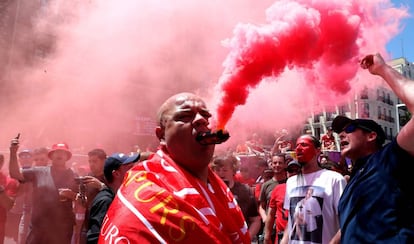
x=323, y=38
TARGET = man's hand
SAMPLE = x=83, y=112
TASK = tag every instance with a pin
x=66, y=194
x=14, y=145
x=373, y=63
x=92, y=182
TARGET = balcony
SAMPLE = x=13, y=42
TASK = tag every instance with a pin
x=385, y=100
x=389, y=119
x=383, y=117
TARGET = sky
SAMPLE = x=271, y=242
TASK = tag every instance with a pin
x=402, y=45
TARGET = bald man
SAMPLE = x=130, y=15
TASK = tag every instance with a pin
x=174, y=196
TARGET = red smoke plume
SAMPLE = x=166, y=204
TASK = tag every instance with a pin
x=322, y=38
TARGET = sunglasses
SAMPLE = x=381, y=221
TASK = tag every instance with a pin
x=352, y=127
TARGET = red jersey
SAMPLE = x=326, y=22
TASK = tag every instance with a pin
x=328, y=142
x=276, y=201
x=159, y=202
x=10, y=189
x=248, y=181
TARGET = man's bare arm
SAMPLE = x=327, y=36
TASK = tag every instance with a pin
x=402, y=87
x=14, y=168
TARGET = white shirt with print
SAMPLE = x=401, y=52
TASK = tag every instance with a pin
x=313, y=218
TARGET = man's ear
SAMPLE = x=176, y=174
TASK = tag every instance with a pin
x=372, y=136
x=115, y=174
x=160, y=133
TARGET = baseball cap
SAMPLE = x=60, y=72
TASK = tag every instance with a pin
x=61, y=147
x=370, y=125
x=293, y=166
x=115, y=161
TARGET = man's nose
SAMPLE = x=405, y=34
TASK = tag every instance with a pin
x=200, y=120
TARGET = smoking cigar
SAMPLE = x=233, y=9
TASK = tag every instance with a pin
x=213, y=137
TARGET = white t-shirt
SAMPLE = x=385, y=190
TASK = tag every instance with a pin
x=312, y=200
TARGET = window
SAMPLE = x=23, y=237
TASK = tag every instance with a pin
x=343, y=109
x=316, y=118
x=318, y=133
x=364, y=93
x=364, y=110
x=379, y=112
x=329, y=116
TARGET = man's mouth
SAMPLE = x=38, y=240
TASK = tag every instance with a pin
x=344, y=144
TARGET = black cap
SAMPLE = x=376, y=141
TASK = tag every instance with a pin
x=116, y=160
x=340, y=122
x=293, y=166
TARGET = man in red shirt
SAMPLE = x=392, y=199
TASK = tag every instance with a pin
x=8, y=191
x=276, y=215
x=243, y=176
x=328, y=141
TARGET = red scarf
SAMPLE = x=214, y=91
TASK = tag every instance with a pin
x=159, y=202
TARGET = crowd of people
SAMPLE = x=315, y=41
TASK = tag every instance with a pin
x=187, y=192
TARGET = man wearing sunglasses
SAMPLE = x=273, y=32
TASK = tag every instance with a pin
x=377, y=206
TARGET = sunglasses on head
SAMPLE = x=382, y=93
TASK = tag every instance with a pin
x=352, y=127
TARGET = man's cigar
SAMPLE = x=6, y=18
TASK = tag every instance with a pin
x=213, y=137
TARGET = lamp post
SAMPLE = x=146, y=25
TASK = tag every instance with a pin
x=397, y=106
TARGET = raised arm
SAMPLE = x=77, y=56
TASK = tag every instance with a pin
x=402, y=87
x=14, y=168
